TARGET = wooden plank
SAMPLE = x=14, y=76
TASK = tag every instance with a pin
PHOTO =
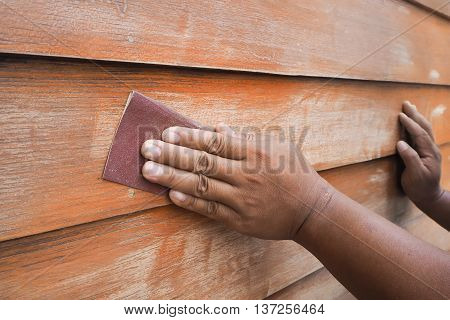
x=371, y=40
x=58, y=120
x=319, y=285
x=170, y=253
x=436, y=6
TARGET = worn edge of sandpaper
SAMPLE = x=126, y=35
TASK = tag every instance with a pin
x=115, y=133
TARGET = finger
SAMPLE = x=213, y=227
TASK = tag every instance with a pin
x=190, y=160
x=422, y=140
x=211, y=142
x=409, y=156
x=210, y=209
x=196, y=185
x=225, y=129
x=411, y=111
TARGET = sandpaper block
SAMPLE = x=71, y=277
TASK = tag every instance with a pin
x=142, y=119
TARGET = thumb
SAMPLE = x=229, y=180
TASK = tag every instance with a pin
x=409, y=156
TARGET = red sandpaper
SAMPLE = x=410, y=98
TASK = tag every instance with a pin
x=142, y=119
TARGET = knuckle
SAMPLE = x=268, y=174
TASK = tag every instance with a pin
x=437, y=153
x=171, y=177
x=204, y=164
x=212, y=208
x=216, y=144
x=202, y=185
x=191, y=203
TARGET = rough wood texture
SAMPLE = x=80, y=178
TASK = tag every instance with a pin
x=316, y=286
x=372, y=40
x=161, y=252
x=436, y=6
x=58, y=120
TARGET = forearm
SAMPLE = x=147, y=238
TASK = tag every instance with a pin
x=371, y=256
x=438, y=210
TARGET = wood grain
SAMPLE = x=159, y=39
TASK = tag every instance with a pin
x=58, y=119
x=371, y=40
x=161, y=252
x=436, y=6
x=319, y=285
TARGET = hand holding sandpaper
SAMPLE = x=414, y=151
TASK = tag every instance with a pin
x=269, y=191
x=142, y=119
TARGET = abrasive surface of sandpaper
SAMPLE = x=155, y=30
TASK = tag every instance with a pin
x=143, y=119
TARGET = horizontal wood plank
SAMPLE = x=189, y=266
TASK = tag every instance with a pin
x=58, y=119
x=319, y=285
x=168, y=252
x=371, y=40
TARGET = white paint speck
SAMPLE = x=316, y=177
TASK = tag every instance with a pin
x=130, y=39
x=434, y=74
x=438, y=111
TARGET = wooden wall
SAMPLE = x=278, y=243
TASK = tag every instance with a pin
x=332, y=75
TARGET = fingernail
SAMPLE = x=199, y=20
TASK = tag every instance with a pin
x=152, y=169
x=402, y=146
x=151, y=150
x=177, y=195
x=170, y=135
x=408, y=103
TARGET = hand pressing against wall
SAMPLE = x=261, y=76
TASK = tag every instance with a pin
x=266, y=188
x=421, y=177
x=262, y=188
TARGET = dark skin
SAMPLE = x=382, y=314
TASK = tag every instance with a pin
x=422, y=174
x=268, y=191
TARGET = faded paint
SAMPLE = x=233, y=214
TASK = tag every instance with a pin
x=434, y=75
x=438, y=111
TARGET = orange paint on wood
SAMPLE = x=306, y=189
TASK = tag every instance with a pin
x=58, y=119
x=371, y=40
x=161, y=252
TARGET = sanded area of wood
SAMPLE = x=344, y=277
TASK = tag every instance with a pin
x=168, y=252
x=58, y=119
x=371, y=40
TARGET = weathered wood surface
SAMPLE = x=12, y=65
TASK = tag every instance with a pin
x=58, y=119
x=162, y=251
x=316, y=286
x=371, y=40
x=436, y=6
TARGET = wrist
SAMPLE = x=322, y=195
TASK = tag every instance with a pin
x=427, y=204
x=326, y=195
